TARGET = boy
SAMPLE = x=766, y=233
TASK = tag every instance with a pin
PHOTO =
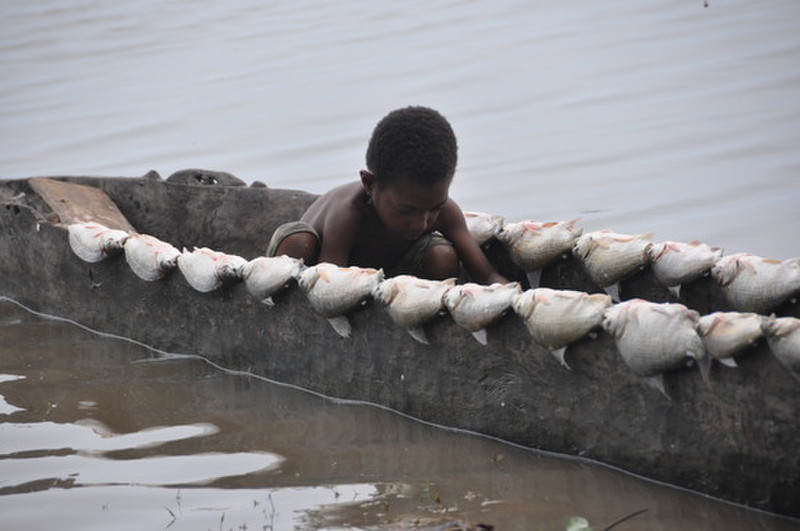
x=399, y=217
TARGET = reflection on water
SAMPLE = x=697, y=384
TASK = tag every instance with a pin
x=105, y=433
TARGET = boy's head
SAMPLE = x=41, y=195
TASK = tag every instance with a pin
x=415, y=143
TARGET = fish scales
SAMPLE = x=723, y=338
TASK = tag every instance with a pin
x=482, y=226
x=534, y=244
x=267, y=275
x=654, y=337
x=726, y=334
x=475, y=306
x=556, y=318
x=609, y=257
x=752, y=283
x=411, y=301
x=676, y=263
x=93, y=242
x=334, y=291
x=150, y=258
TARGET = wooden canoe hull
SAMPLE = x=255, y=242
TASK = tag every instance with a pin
x=735, y=438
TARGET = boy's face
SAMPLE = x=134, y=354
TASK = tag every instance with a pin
x=405, y=207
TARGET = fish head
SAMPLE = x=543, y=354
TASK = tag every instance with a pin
x=617, y=316
x=779, y=327
x=454, y=296
x=583, y=247
x=385, y=291
x=510, y=233
x=522, y=304
x=308, y=278
x=725, y=269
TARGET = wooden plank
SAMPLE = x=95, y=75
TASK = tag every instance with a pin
x=78, y=203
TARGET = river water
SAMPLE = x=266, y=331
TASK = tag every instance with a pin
x=665, y=117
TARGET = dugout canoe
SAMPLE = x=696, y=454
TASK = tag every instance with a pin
x=735, y=438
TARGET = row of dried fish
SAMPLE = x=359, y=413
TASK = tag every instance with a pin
x=651, y=337
x=750, y=283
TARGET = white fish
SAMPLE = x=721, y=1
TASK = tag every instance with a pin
x=726, y=334
x=205, y=270
x=150, y=258
x=411, y=302
x=474, y=306
x=482, y=226
x=93, y=242
x=655, y=337
x=334, y=291
x=755, y=284
x=609, y=257
x=783, y=337
x=556, y=318
x=534, y=244
x=677, y=263
x=266, y=275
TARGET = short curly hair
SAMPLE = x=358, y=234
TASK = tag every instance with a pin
x=413, y=142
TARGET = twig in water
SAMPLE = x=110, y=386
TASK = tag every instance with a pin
x=173, y=517
x=623, y=518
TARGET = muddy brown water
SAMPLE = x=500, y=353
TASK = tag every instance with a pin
x=100, y=433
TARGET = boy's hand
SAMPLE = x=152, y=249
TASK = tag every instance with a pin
x=496, y=277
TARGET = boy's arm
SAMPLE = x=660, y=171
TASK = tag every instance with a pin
x=454, y=228
x=338, y=237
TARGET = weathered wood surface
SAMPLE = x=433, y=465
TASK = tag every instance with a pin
x=735, y=438
x=78, y=203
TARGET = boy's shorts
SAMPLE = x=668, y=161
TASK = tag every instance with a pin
x=410, y=263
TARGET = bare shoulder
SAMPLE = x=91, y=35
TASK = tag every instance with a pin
x=342, y=204
x=451, y=219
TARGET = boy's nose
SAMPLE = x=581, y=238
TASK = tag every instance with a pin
x=420, y=222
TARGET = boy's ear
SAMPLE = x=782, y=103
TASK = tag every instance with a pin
x=367, y=181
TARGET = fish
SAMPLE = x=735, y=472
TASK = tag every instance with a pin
x=93, y=242
x=334, y=291
x=783, y=338
x=655, y=337
x=677, y=263
x=267, y=275
x=609, y=257
x=475, y=306
x=411, y=301
x=535, y=244
x=482, y=226
x=751, y=283
x=150, y=258
x=205, y=270
x=556, y=318
x=726, y=334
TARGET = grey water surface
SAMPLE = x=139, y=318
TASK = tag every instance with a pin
x=665, y=116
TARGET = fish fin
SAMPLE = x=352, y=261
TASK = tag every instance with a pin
x=657, y=383
x=559, y=353
x=268, y=301
x=675, y=290
x=704, y=364
x=419, y=334
x=728, y=362
x=534, y=277
x=613, y=291
x=341, y=324
x=480, y=336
